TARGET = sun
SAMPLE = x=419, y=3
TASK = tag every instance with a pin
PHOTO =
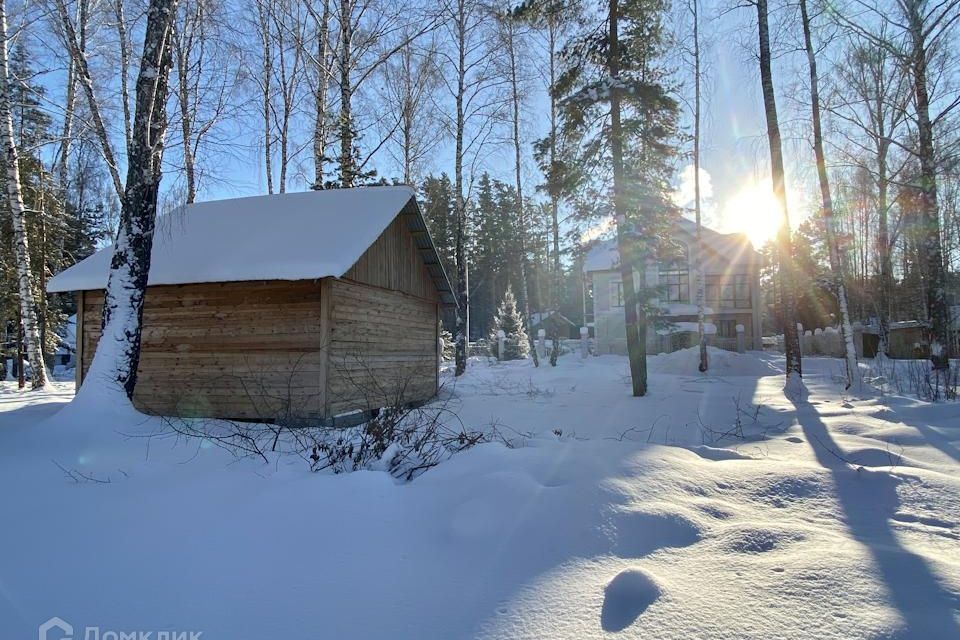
x=755, y=212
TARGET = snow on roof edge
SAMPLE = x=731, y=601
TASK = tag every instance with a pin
x=293, y=236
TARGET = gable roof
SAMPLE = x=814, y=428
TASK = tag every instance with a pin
x=291, y=236
x=604, y=255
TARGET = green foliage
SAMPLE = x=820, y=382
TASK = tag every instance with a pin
x=509, y=320
x=63, y=226
x=649, y=116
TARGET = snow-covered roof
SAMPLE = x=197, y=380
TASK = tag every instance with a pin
x=604, y=255
x=291, y=236
x=536, y=318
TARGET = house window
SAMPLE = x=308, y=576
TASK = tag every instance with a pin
x=674, y=280
x=735, y=293
x=728, y=293
x=616, y=294
x=727, y=328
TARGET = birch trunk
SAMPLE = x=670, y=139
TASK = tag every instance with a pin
x=182, y=51
x=124, y=42
x=263, y=9
x=510, y=32
x=118, y=352
x=791, y=337
x=347, y=169
x=463, y=295
x=66, y=134
x=320, y=97
x=701, y=316
x=31, y=330
x=836, y=264
x=634, y=319
x=554, y=198
x=79, y=58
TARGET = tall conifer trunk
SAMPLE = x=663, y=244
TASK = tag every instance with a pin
x=791, y=336
x=634, y=320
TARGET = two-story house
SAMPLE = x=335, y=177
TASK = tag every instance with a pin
x=731, y=270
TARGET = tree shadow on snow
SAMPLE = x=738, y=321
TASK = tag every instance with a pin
x=869, y=499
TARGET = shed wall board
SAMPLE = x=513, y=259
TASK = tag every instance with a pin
x=246, y=350
x=383, y=347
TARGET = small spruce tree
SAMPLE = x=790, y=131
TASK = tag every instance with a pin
x=508, y=318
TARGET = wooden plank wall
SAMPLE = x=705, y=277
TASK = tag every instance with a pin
x=245, y=350
x=393, y=262
x=383, y=347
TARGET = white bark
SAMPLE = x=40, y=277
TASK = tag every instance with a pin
x=79, y=58
x=510, y=40
x=701, y=316
x=113, y=371
x=836, y=264
x=18, y=216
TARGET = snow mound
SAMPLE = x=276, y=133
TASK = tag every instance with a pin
x=626, y=597
x=722, y=363
x=718, y=454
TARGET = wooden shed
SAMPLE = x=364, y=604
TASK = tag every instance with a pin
x=293, y=307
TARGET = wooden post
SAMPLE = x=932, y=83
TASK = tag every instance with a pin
x=584, y=342
x=858, y=339
x=741, y=338
x=326, y=311
x=21, y=376
x=501, y=344
x=78, y=347
x=541, y=342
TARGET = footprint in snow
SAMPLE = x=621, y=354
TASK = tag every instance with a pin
x=717, y=454
x=794, y=440
x=626, y=597
x=639, y=534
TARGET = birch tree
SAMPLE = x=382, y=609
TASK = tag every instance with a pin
x=869, y=103
x=553, y=19
x=704, y=363
x=322, y=64
x=28, y=308
x=836, y=265
x=118, y=352
x=471, y=81
x=511, y=38
x=204, y=83
x=921, y=30
x=370, y=34
x=410, y=81
x=78, y=54
x=70, y=98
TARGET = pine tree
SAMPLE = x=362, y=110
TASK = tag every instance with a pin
x=617, y=76
x=509, y=320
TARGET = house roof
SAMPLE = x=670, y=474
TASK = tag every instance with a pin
x=291, y=236
x=605, y=257
x=536, y=318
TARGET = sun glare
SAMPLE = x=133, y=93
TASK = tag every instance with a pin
x=755, y=212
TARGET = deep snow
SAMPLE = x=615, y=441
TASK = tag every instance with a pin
x=836, y=517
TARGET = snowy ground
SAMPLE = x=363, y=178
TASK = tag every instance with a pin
x=837, y=517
